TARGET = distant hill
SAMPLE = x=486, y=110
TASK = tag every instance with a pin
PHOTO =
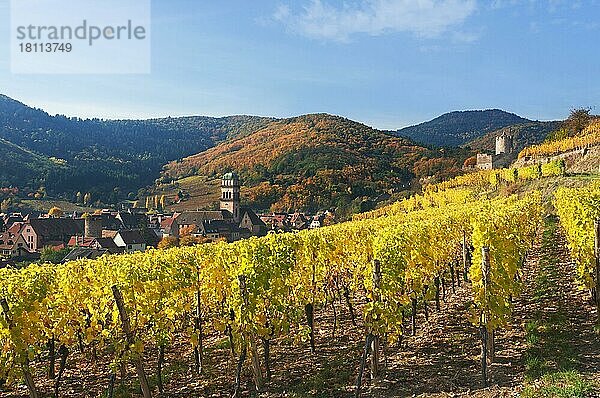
x=310, y=162
x=459, y=128
x=525, y=135
x=111, y=158
x=33, y=169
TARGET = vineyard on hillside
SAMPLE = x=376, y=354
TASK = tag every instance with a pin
x=589, y=137
x=263, y=289
x=385, y=267
x=579, y=212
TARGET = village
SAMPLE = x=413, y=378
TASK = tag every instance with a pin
x=24, y=238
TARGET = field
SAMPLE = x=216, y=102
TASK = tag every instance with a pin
x=45, y=205
x=204, y=193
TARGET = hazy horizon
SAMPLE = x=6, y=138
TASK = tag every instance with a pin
x=283, y=117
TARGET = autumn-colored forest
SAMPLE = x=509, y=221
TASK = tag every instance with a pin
x=319, y=161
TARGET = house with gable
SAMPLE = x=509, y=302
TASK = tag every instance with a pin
x=131, y=221
x=12, y=243
x=41, y=232
x=131, y=241
x=231, y=222
x=251, y=222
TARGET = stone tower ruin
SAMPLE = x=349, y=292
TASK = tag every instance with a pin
x=504, y=144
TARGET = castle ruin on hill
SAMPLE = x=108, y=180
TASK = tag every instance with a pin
x=505, y=146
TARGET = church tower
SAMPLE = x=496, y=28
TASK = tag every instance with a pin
x=230, y=195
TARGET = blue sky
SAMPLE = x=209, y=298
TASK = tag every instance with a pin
x=387, y=63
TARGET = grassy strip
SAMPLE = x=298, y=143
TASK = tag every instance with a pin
x=568, y=384
x=550, y=360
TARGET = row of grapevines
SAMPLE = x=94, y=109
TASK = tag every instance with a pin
x=588, y=138
x=486, y=179
x=578, y=209
x=478, y=180
x=419, y=202
x=507, y=228
x=536, y=171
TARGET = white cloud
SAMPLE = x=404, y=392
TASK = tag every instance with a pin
x=423, y=18
x=497, y=4
x=549, y=5
x=465, y=37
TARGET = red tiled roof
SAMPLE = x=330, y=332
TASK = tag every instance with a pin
x=80, y=241
x=15, y=228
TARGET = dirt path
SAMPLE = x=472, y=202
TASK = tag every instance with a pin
x=555, y=316
x=550, y=341
x=442, y=356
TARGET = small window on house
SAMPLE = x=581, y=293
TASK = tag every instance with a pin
x=129, y=247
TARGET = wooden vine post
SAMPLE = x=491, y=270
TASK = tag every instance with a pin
x=51, y=358
x=375, y=337
x=349, y=304
x=126, y=325
x=597, y=273
x=437, y=292
x=159, y=366
x=198, y=326
x=491, y=334
x=413, y=302
x=464, y=257
x=238, y=373
x=485, y=274
x=491, y=338
x=256, y=371
x=25, y=366
x=425, y=307
x=363, y=361
x=309, y=308
x=372, y=339
x=64, y=353
x=452, y=277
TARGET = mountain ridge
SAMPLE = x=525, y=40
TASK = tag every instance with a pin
x=524, y=135
x=282, y=160
x=32, y=168
x=457, y=128
x=112, y=159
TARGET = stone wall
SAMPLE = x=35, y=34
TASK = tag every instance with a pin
x=586, y=160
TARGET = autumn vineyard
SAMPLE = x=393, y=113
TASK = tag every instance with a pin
x=386, y=266
x=590, y=136
x=299, y=199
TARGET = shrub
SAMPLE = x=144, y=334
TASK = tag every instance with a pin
x=556, y=167
x=510, y=175
x=532, y=172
